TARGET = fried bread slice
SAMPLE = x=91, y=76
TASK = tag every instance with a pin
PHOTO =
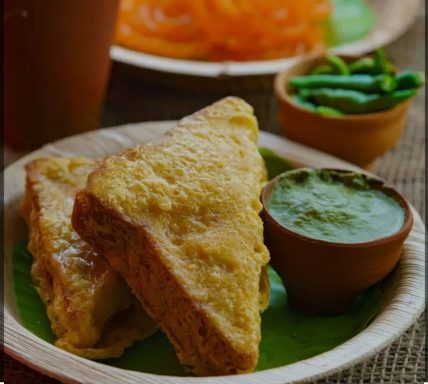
x=91, y=309
x=179, y=219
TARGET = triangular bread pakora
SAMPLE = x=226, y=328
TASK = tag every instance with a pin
x=92, y=312
x=179, y=219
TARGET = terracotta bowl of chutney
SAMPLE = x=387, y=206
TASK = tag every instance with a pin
x=332, y=234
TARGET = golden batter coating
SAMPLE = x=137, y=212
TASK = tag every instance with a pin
x=180, y=221
x=92, y=311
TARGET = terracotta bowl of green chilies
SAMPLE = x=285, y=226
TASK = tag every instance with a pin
x=357, y=138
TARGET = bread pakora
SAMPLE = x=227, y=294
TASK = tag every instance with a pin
x=92, y=311
x=180, y=221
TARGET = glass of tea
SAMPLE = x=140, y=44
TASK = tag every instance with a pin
x=56, y=67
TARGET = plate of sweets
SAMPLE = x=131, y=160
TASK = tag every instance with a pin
x=216, y=38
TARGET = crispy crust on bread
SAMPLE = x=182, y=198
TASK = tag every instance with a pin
x=178, y=218
x=72, y=279
x=158, y=290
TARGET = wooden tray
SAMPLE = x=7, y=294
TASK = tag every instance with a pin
x=394, y=18
x=404, y=295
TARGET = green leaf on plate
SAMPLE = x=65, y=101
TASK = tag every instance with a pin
x=275, y=164
x=153, y=355
x=30, y=308
x=287, y=335
x=351, y=20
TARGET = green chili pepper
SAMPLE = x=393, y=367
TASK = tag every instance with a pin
x=382, y=64
x=409, y=79
x=380, y=60
x=355, y=102
x=328, y=111
x=304, y=103
x=322, y=69
x=338, y=63
x=363, y=83
x=363, y=65
x=368, y=65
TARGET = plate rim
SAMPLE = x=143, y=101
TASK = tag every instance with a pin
x=388, y=325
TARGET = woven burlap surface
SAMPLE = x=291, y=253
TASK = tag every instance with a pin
x=131, y=99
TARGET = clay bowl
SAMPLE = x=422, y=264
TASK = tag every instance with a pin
x=359, y=139
x=326, y=277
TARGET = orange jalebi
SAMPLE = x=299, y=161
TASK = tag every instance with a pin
x=222, y=29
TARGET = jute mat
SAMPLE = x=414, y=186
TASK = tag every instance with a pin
x=132, y=99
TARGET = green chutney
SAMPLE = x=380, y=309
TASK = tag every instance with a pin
x=334, y=206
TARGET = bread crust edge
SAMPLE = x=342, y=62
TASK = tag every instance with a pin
x=128, y=246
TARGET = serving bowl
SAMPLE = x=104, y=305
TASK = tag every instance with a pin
x=359, y=139
x=324, y=276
